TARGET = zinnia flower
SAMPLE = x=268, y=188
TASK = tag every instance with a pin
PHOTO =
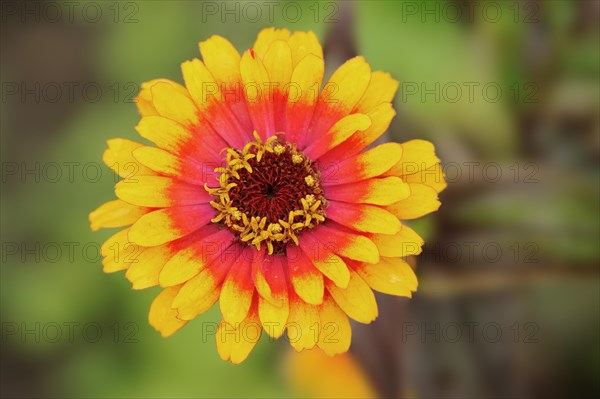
x=263, y=193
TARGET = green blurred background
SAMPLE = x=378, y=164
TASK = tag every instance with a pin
x=507, y=90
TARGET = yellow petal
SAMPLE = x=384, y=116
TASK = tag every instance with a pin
x=261, y=284
x=404, y=243
x=381, y=89
x=357, y=300
x=432, y=177
x=184, y=265
x=365, y=165
x=144, y=271
x=187, y=262
x=278, y=63
x=377, y=191
x=423, y=200
x=417, y=155
x=305, y=84
x=304, y=43
x=339, y=132
x=336, y=332
x=273, y=317
x=162, y=317
x=345, y=243
x=306, y=279
x=235, y=342
x=380, y=116
x=204, y=265
x=191, y=309
x=266, y=37
x=201, y=84
x=154, y=228
x=151, y=191
x=168, y=224
x=332, y=267
x=359, y=247
x=392, y=276
x=119, y=157
x=259, y=98
x=196, y=285
x=303, y=325
x=221, y=58
x=172, y=104
x=350, y=82
x=237, y=292
x=363, y=217
x=158, y=160
x=115, y=213
x=119, y=253
x=160, y=192
x=143, y=100
x=164, y=132
x=309, y=287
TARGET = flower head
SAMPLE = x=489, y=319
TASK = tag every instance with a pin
x=263, y=193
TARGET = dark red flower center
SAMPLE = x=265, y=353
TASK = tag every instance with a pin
x=275, y=186
x=269, y=192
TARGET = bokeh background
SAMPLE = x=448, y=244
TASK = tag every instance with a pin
x=508, y=302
